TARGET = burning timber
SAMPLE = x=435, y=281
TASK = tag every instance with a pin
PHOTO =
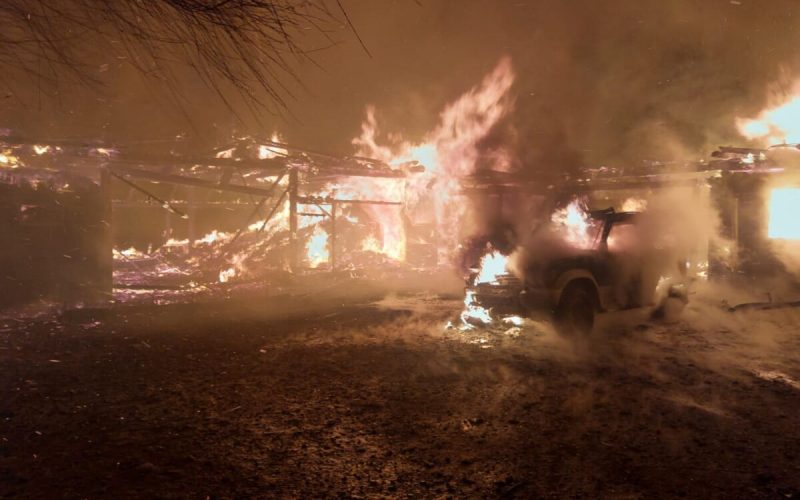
x=186, y=222
x=256, y=210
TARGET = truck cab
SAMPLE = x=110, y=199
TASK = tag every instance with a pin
x=617, y=268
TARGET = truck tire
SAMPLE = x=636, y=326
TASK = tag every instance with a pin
x=575, y=312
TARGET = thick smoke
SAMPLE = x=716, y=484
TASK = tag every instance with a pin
x=598, y=82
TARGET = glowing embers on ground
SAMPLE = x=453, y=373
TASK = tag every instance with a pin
x=575, y=224
x=784, y=207
x=8, y=159
x=473, y=312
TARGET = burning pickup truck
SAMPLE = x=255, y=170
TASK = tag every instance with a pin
x=614, y=267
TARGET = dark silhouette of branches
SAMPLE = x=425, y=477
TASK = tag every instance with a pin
x=249, y=46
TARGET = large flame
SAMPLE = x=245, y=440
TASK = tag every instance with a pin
x=493, y=265
x=388, y=217
x=573, y=221
x=317, y=247
x=449, y=152
x=780, y=124
x=784, y=205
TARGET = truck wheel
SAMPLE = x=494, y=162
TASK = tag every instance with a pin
x=575, y=311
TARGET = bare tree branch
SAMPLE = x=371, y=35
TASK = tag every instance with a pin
x=248, y=46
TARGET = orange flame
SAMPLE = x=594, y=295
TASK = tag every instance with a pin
x=779, y=124
x=634, y=205
x=493, y=265
x=573, y=221
x=448, y=152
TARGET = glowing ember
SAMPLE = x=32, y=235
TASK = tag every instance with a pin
x=514, y=320
x=317, y=248
x=371, y=244
x=212, y=237
x=128, y=252
x=102, y=152
x=634, y=205
x=573, y=220
x=492, y=265
x=780, y=124
x=237, y=268
x=7, y=159
x=176, y=243
x=265, y=151
x=226, y=274
x=784, y=205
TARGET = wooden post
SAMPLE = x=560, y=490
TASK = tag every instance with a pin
x=294, y=249
x=735, y=222
x=191, y=210
x=106, y=251
x=333, y=236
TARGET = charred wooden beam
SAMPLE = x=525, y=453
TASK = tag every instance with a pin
x=316, y=200
x=333, y=236
x=255, y=211
x=165, y=204
x=274, y=209
x=294, y=257
x=188, y=181
x=270, y=166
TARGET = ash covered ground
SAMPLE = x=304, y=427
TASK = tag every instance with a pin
x=370, y=396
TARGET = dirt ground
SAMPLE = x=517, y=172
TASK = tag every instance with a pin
x=316, y=397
